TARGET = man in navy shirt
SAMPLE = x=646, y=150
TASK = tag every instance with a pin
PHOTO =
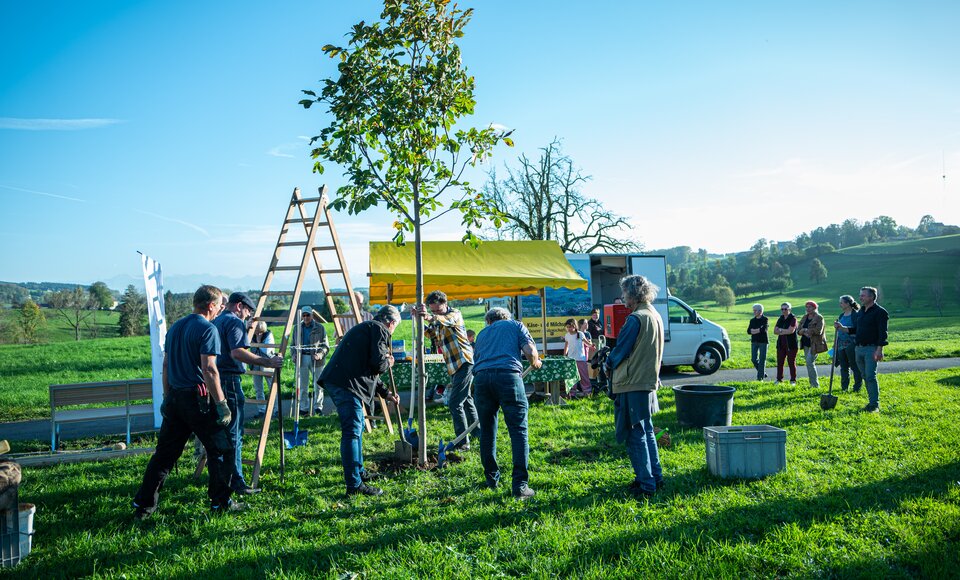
x=869, y=329
x=190, y=383
x=235, y=345
x=497, y=384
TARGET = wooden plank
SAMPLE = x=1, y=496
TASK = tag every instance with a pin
x=80, y=456
x=286, y=268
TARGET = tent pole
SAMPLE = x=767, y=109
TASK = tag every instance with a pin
x=543, y=317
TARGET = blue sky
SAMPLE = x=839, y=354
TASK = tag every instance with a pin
x=172, y=127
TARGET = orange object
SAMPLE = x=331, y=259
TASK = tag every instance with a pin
x=614, y=315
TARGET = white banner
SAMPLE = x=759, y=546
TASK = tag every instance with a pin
x=153, y=283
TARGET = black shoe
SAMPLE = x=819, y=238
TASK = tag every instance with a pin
x=368, y=476
x=492, y=483
x=231, y=507
x=871, y=408
x=524, y=493
x=638, y=491
x=243, y=489
x=365, y=489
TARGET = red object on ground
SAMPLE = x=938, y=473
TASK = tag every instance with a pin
x=614, y=315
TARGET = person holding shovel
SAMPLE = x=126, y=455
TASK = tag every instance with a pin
x=869, y=329
x=846, y=350
x=352, y=378
x=498, y=385
x=445, y=324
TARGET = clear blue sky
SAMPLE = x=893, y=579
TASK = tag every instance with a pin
x=172, y=127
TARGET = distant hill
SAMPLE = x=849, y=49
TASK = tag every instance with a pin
x=886, y=266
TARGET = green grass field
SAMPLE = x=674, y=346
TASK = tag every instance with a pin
x=872, y=496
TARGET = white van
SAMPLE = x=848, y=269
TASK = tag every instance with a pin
x=689, y=338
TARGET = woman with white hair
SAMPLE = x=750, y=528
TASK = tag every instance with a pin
x=757, y=329
x=635, y=361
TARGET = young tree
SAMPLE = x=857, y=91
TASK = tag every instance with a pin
x=907, y=292
x=101, y=295
x=724, y=297
x=30, y=321
x=818, y=272
x=544, y=202
x=936, y=295
x=339, y=303
x=133, y=313
x=75, y=306
x=400, y=90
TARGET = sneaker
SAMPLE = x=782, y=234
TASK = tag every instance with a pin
x=871, y=408
x=793, y=383
x=365, y=489
x=231, y=507
x=139, y=513
x=368, y=476
x=242, y=488
x=778, y=382
x=491, y=483
x=524, y=493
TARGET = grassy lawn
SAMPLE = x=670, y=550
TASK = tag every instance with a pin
x=863, y=495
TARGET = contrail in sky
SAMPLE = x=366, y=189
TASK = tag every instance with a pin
x=54, y=124
x=174, y=220
x=44, y=193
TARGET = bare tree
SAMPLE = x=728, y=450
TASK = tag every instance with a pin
x=543, y=201
x=907, y=292
x=936, y=295
x=75, y=306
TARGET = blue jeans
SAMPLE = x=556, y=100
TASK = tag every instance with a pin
x=495, y=390
x=460, y=401
x=758, y=354
x=644, y=455
x=868, y=368
x=350, y=411
x=230, y=384
x=847, y=357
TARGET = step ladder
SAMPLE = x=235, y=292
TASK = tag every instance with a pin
x=299, y=212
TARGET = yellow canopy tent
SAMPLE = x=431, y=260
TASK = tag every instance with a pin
x=496, y=268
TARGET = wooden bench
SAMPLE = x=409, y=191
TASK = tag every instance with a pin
x=92, y=393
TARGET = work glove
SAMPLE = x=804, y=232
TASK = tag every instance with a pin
x=163, y=408
x=223, y=413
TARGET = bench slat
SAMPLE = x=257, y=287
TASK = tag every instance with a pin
x=74, y=415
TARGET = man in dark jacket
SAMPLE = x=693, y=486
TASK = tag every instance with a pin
x=352, y=378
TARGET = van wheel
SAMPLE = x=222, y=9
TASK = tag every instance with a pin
x=707, y=361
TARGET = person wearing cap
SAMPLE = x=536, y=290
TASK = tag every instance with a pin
x=313, y=355
x=234, y=353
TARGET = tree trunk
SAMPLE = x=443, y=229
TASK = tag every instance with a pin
x=419, y=367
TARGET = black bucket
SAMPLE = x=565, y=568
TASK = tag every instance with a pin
x=704, y=405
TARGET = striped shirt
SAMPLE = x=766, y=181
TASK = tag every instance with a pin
x=450, y=331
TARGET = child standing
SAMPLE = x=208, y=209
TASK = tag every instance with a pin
x=575, y=347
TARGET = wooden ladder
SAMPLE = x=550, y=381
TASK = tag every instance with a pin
x=297, y=213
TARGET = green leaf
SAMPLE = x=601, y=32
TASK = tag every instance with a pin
x=311, y=93
x=508, y=141
x=307, y=103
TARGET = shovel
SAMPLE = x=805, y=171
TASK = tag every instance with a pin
x=296, y=438
x=829, y=400
x=402, y=449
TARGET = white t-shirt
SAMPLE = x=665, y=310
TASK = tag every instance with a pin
x=575, y=348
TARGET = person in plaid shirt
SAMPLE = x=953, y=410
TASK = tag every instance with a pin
x=445, y=325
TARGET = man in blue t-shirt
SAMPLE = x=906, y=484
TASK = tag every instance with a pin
x=190, y=383
x=234, y=352
x=497, y=384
